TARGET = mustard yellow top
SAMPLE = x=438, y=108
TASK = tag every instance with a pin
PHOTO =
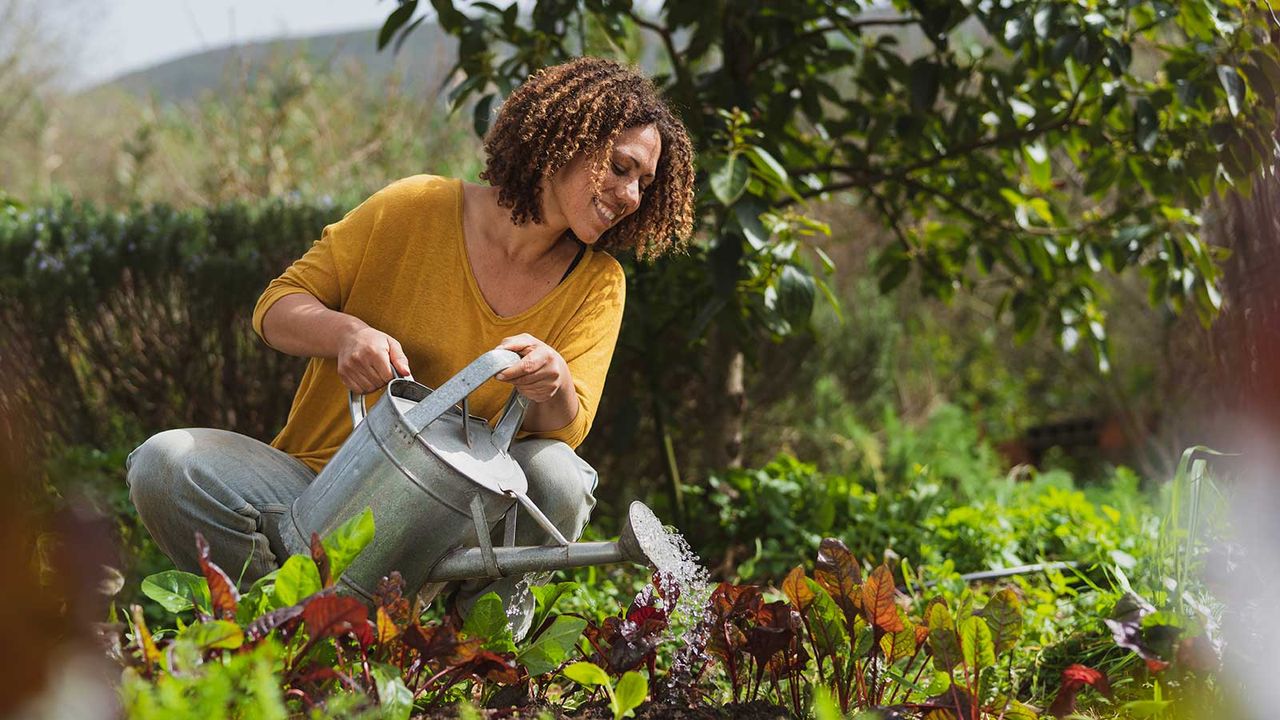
x=399, y=263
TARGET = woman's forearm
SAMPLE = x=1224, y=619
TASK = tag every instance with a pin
x=552, y=414
x=299, y=324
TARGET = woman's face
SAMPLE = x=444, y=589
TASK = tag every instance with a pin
x=628, y=173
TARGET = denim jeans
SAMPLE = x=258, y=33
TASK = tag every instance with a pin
x=237, y=490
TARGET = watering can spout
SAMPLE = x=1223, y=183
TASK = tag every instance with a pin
x=639, y=548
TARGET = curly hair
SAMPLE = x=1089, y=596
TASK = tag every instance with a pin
x=582, y=106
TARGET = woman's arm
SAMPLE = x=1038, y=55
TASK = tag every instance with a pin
x=299, y=324
x=543, y=376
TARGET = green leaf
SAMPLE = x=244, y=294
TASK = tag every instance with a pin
x=1234, y=85
x=1038, y=164
x=394, y=698
x=975, y=644
x=729, y=179
x=220, y=634
x=546, y=597
x=482, y=114
x=1003, y=615
x=767, y=166
x=585, y=673
x=553, y=646
x=629, y=694
x=348, y=540
x=1146, y=125
x=925, y=80
x=395, y=20
x=827, y=622
x=488, y=622
x=796, y=293
x=177, y=591
x=942, y=638
x=898, y=645
x=297, y=578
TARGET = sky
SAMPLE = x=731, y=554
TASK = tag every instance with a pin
x=113, y=37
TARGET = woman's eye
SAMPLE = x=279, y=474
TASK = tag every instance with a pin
x=617, y=169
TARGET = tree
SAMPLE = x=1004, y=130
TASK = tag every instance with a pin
x=1025, y=146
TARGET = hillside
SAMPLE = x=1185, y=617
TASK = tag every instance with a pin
x=421, y=63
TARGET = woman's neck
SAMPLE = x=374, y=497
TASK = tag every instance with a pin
x=523, y=244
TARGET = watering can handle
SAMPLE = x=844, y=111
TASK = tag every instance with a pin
x=458, y=387
x=356, y=403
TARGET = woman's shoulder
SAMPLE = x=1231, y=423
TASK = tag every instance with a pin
x=414, y=191
x=603, y=276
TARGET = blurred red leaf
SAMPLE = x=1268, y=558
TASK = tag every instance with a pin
x=1074, y=679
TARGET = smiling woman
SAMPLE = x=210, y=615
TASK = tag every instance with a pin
x=428, y=274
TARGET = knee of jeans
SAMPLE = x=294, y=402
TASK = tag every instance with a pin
x=560, y=482
x=155, y=466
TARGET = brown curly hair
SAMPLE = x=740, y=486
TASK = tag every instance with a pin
x=582, y=106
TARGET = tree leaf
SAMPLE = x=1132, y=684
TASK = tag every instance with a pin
x=768, y=167
x=878, y=606
x=395, y=20
x=630, y=694
x=488, y=623
x=925, y=80
x=729, y=179
x=1146, y=125
x=1234, y=85
x=553, y=646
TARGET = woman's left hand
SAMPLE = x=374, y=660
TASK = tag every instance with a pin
x=541, y=373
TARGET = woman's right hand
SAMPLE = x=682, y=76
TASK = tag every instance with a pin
x=366, y=358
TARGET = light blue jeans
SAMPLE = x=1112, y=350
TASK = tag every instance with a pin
x=236, y=490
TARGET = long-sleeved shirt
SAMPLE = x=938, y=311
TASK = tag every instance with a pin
x=399, y=263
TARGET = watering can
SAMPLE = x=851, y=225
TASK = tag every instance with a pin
x=438, y=480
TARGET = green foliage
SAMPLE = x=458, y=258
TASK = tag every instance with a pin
x=1042, y=143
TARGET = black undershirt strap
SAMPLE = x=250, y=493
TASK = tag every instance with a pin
x=582, y=250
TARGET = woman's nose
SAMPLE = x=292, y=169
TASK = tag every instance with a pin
x=628, y=195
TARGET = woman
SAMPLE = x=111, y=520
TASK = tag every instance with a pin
x=583, y=159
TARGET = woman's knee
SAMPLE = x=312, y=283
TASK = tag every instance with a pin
x=155, y=466
x=560, y=482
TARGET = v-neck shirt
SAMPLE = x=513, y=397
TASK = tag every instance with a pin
x=399, y=263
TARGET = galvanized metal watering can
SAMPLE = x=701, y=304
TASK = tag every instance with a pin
x=438, y=480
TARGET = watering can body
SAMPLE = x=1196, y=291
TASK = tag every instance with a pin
x=435, y=477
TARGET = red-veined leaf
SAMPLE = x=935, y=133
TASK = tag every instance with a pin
x=795, y=587
x=222, y=592
x=877, y=600
x=1074, y=679
x=838, y=573
x=150, y=653
x=335, y=616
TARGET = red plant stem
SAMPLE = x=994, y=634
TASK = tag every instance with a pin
x=915, y=680
x=301, y=695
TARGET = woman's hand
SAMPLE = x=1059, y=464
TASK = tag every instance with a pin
x=540, y=374
x=366, y=357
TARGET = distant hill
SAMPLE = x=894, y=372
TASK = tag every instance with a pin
x=422, y=63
